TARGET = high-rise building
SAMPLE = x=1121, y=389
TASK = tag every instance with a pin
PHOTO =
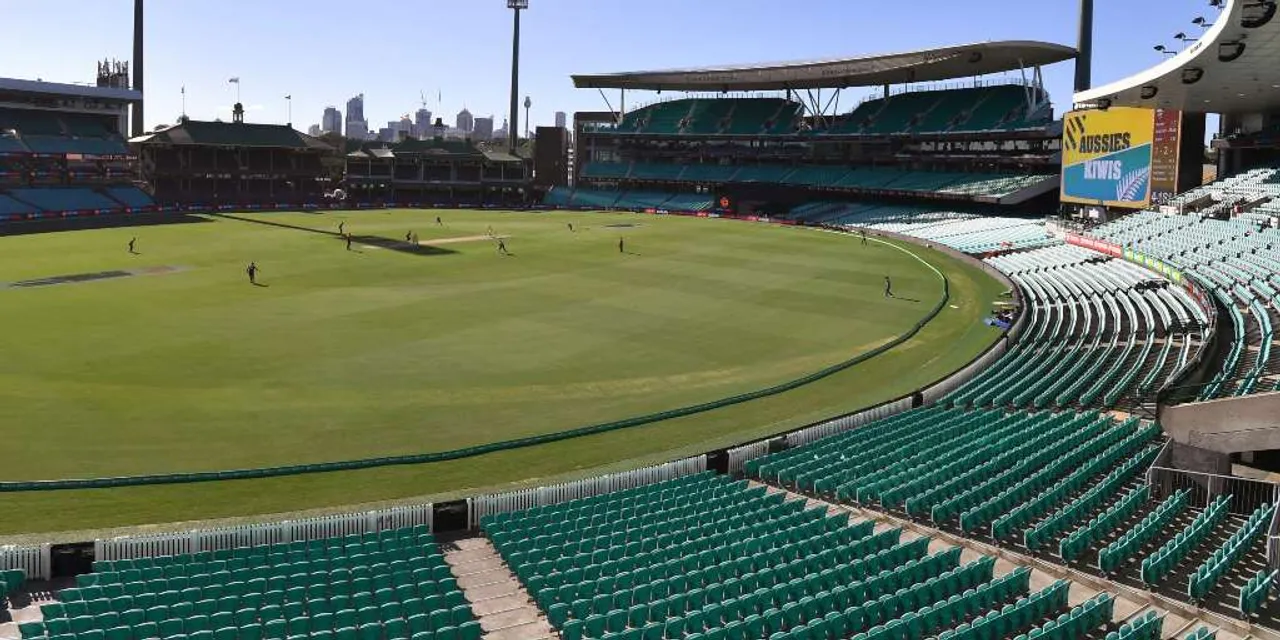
x=422, y=123
x=562, y=120
x=332, y=121
x=465, y=121
x=357, y=126
x=483, y=129
x=355, y=108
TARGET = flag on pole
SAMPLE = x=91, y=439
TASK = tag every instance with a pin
x=235, y=80
x=288, y=97
x=184, y=89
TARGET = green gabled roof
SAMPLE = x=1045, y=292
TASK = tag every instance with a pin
x=493, y=155
x=233, y=134
x=436, y=147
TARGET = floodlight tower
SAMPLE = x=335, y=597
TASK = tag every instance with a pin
x=137, y=126
x=513, y=129
x=1084, y=47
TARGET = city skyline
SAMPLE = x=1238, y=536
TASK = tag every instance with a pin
x=266, y=57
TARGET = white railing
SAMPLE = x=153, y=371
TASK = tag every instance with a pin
x=1246, y=494
x=738, y=456
x=198, y=540
x=481, y=506
x=845, y=423
x=34, y=560
x=959, y=378
x=1161, y=460
x=1273, y=536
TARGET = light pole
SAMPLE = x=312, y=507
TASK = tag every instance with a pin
x=516, y=7
x=528, y=102
x=137, y=126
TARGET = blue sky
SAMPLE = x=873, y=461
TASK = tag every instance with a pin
x=325, y=51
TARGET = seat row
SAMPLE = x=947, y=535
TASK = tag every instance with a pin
x=1207, y=575
x=1122, y=549
x=1157, y=565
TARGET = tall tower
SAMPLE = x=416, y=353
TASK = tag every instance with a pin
x=1084, y=44
x=513, y=133
x=137, y=127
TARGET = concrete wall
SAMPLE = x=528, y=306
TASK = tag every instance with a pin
x=1231, y=425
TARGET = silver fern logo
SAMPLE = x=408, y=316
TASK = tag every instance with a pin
x=1131, y=184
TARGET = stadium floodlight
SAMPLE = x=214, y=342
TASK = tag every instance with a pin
x=1165, y=50
x=1201, y=22
x=1217, y=4
x=1183, y=37
x=513, y=127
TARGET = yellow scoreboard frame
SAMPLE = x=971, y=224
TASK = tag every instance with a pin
x=1106, y=157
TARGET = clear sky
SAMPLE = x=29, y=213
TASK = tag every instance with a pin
x=458, y=52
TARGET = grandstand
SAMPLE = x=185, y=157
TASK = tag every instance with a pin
x=66, y=161
x=434, y=171
x=195, y=163
x=745, y=137
x=1237, y=262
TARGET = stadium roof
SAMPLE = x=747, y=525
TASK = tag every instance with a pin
x=1232, y=68
x=40, y=87
x=232, y=134
x=928, y=65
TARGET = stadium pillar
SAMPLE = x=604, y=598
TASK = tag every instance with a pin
x=513, y=133
x=137, y=127
x=1084, y=45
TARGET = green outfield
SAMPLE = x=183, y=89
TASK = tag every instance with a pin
x=170, y=361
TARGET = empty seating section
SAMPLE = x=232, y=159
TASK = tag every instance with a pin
x=11, y=144
x=606, y=170
x=971, y=109
x=1239, y=264
x=709, y=173
x=392, y=585
x=558, y=197
x=635, y=199
x=1220, y=562
x=1258, y=187
x=60, y=133
x=691, y=116
x=1091, y=337
x=1084, y=537
x=10, y=208
x=594, y=198
x=1157, y=565
x=963, y=231
x=985, y=185
x=56, y=135
x=1120, y=551
x=971, y=469
x=707, y=558
x=64, y=198
x=130, y=196
x=63, y=145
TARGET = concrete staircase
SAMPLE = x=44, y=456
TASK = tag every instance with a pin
x=501, y=604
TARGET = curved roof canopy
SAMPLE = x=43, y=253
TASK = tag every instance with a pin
x=929, y=65
x=1233, y=68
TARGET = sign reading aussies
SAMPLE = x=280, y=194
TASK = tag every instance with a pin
x=1106, y=157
